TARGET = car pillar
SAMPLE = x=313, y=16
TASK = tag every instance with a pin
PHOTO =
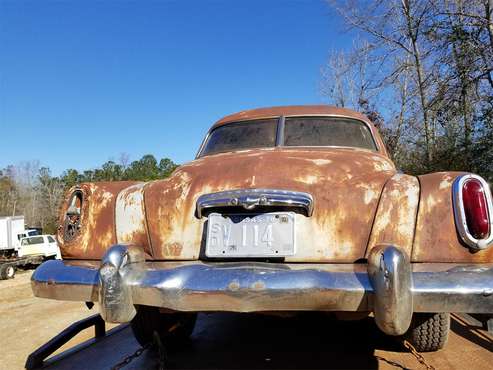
x=391, y=277
x=115, y=296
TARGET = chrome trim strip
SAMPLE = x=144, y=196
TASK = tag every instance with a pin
x=251, y=198
x=280, y=132
x=460, y=214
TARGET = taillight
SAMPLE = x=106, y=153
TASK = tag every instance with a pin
x=476, y=209
x=72, y=220
x=473, y=211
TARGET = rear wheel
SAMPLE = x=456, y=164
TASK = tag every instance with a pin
x=172, y=328
x=429, y=331
x=7, y=272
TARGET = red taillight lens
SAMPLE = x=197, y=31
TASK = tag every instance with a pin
x=476, y=209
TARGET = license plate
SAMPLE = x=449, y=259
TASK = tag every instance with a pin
x=263, y=235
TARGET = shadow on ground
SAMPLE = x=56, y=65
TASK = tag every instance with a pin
x=308, y=341
x=471, y=332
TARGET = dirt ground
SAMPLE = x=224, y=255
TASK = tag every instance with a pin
x=224, y=341
x=27, y=322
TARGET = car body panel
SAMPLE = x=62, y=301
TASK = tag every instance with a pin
x=97, y=220
x=360, y=201
x=176, y=233
x=436, y=236
x=395, y=220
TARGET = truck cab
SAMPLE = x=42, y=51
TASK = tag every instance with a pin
x=27, y=233
x=42, y=245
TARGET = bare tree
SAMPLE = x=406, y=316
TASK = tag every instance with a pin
x=347, y=79
x=434, y=64
x=397, y=30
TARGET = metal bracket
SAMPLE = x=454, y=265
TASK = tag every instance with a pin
x=36, y=359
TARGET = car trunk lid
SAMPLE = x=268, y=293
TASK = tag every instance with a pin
x=345, y=185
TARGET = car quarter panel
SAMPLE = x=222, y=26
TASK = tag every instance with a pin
x=97, y=220
x=436, y=237
x=395, y=220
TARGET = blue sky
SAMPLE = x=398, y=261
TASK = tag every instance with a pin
x=82, y=82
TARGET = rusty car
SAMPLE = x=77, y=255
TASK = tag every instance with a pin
x=284, y=209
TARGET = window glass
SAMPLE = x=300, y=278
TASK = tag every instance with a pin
x=242, y=135
x=327, y=131
x=50, y=239
x=33, y=240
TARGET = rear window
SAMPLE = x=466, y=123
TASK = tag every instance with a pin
x=33, y=240
x=327, y=131
x=242, y=135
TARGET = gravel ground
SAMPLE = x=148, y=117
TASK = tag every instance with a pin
x=223, y=341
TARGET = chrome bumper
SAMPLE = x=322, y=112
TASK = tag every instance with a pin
x=388, y=285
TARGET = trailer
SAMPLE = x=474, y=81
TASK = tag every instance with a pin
x=218, y=342
x=8, y=266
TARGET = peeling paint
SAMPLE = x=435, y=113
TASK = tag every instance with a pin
x=130, y=220
x=396, y=216
x=97, y=220
x=323, y=237
x=351, y=212
x=437, y=239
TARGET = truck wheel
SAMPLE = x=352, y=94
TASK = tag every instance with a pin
x=7, y=272
x=172, y=328
x=429, y=331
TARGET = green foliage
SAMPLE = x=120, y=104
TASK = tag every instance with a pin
x=145, y=169
x=32, y=191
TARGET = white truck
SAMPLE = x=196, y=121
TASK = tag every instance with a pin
x=12, y=230
x=22, y=247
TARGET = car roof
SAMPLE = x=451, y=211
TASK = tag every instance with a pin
x=291, y=110
x=302, y=110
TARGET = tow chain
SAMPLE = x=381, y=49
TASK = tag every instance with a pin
x=155, y=343
x=418, y=356
x=130, y=358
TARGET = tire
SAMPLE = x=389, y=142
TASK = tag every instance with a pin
x=10, y=272
x=7, y=272
x=173, y=328
x=429, y=331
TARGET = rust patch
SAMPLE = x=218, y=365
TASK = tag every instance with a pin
x=131, y=225
x=395, y=220
x=436, y=237
x=173, y=250
x=97, y=221
x=234, y=285
x=345, y=183
x=258, y=285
